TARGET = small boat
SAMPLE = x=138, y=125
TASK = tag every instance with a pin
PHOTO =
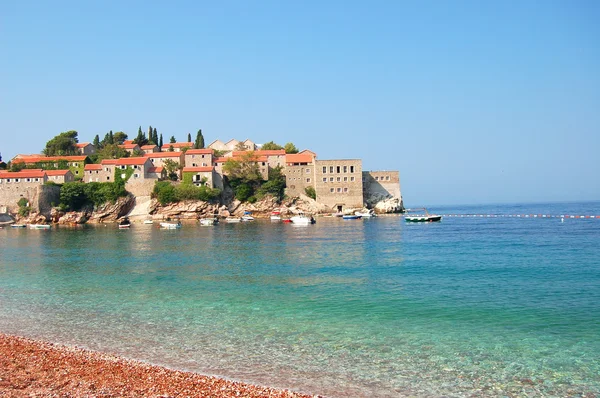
x=287, y=220
x=366, y=214
x=302, y=219
x=170, y=225
x=124, y=223
x=338, y=214
x=18, y=225
x=39, y=226
x=351, y=217
x=208, y=221
x=233, y=219
x=275, y=216
x=247, y=216
x=148, y=221
x=422, y=217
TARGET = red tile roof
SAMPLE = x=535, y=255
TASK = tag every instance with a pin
x=131, y=161
x=128, y=146
x=109, y=161
x=57, y=172
x=33, y=159
x=92, y=166
x=163, y=155
x=35, y=173
x=155, y=169
x=198, y=169
x=255, y=159
x=82, y=144
x=128, y=142
x=151, y=146
x=268, y=152
x=179, y=145
x=199, y=151
x=299, y=158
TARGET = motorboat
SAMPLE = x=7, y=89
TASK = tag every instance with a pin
x=302, y=219
x=170, y=225
x=124, y=223
x=351, y=217
x=247, y=216
x=366, y=214
x=18, y=225
x=149, y=221
x=208, y=221
x=39, y=226
x=275, y=215
x=422, y=217
x=233, y=219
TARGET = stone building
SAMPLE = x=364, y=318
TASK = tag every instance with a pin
x=151, y=148
x=202, y=176
x=177, y=146
x=199, y=157
x=85, y=148
x=130, y=146
x=158, y=158
x=338, y=183
x=231, y=145
x=299, y=173
x=60, y=176
x=28, y=184
x=74, y=163
x=380, y=185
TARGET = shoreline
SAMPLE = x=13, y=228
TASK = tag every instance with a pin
x=38, y=368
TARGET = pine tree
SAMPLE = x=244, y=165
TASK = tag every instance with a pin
x=111, y=139
x=172, y=140
x=199, y=144
x=96, y=142
x=160, y=142
x=189, y=138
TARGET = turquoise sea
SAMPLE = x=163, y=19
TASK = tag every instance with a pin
x=472, y=306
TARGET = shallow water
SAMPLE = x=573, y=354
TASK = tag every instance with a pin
x=465, y=307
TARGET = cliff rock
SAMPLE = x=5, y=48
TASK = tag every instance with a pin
x=389, y=205
x=189, y=209
x=110, y=212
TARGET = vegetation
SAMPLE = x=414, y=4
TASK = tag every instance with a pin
x=24, y=208
x=171, y=167
x=275, y=185
x=290, y=148
x=189, y=138
x=244, y=177
x=109, y=151
x=219, y=153
x=75, y=195
x=63, y=144
x=165, y=192
x=199, y=143
x=119, y=138
x=311, y=193
x=240, y=146
x=141, y=138
x=271, y=146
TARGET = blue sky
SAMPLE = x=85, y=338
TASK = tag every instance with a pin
x=473, y=102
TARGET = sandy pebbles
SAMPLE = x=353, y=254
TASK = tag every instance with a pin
x=31, y=368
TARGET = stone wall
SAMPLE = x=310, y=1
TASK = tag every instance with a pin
x=40, y=197
x=140, y=187
x=379, y=185
x=297, y=178
x=338, y=183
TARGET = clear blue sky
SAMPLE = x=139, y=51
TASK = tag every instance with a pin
x=472, y=101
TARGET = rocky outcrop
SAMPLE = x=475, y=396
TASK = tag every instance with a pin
x=189, y=209
x=33, y=218
x=389, y=205
x=110, y=212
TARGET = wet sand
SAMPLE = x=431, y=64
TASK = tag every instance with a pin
x=30, y=368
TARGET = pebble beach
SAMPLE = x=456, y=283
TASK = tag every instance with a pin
x=30, y=368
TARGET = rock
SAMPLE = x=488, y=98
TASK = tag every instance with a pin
x=389, y=205
x=307, y=205
x=110, y=212
x=74, y=217
x=189, y=209
x=34, y=218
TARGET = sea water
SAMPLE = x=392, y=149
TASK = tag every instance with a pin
x=471, y=306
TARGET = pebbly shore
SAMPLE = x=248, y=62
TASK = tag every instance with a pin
x=30, y=368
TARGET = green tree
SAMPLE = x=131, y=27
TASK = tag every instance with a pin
x=240, y=146
x=141, y=138
x=72, y=195
x=111, y=151
x=271, y=146
x=137, y=153
x=310, y=192
x=172, y=140
x=62, y=145
x=199, y=143
x=189, y=138
x=290, y=148
x=172, y=167
x=160, y=141
x=275, y=185
x=154, y=136
x=119, y=138
x=111, y=137
x=245, y=168
x=96, y=142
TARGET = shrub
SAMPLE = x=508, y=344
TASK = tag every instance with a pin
x=310, y=192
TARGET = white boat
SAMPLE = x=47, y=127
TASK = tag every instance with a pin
x=422, y=217
x=302, y=219
x=233, y=219
x=148, y=222
x=366, y=214
x=207, y=221
x=351, y=217
x=124, y=223
x=276, y=216
x=247, y=216
x=170, y=225
x=39, y=226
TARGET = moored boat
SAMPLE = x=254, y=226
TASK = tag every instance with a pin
x=18, y=225
x=275, y=215
x=233, y=219
x=422, y=217
x=208, y=221
x=39, y=226
x=366, y=214
x=170, y=225
x=148, y=222
x=124, y=223
x=247, y=216
x=351, y=217
x=303, y=219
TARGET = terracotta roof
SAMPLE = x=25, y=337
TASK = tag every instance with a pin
x=131, y=161
x=298, y=158
x=32, y=159
x=199, y=151
x=109, y=161
x=128, y=142
x=266, y=152
x=151, y=146
x=22, y=155
x=128, y=146
x=307, y=152
x=155, y=169
x=92, y=166
x=179, y=145
x=255, y=159
x=198, y=169
x=57, y=172
x=163, y=155
x=35, y=173
x=82, y=144
x=221, y=159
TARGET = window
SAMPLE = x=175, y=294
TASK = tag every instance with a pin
x=136, y=175
x=8, y=180
x=308, y=180
x=338, y=169
x=345, y=169
x=339, y=179
x=37, y=179
x=122, y=167
x=339, y=189
x=345, y=179
x=324, y=179
x=307, y=171
x=107, y=178
x=387, y=178
x=204, y=164
x=351, y=178
x=202, y=156
x=123, y=176
x=324, y=169
x=332, y=190
x=29, y=180
x=351, y=169
x=345, y=189
x=17, y=180
x=331, y=179
x=331, y=169
x=376, y=178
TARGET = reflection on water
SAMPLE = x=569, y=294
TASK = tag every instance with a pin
x=343, y=308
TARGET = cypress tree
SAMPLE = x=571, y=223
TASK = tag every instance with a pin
x=189, y=138
x=160, y=142
x=96, y=142
x=155, y=136
x=172, y=140
x=111, y=138
x=199, y=144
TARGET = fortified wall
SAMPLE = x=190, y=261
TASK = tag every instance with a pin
x=39, y=196
x=380, y=185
